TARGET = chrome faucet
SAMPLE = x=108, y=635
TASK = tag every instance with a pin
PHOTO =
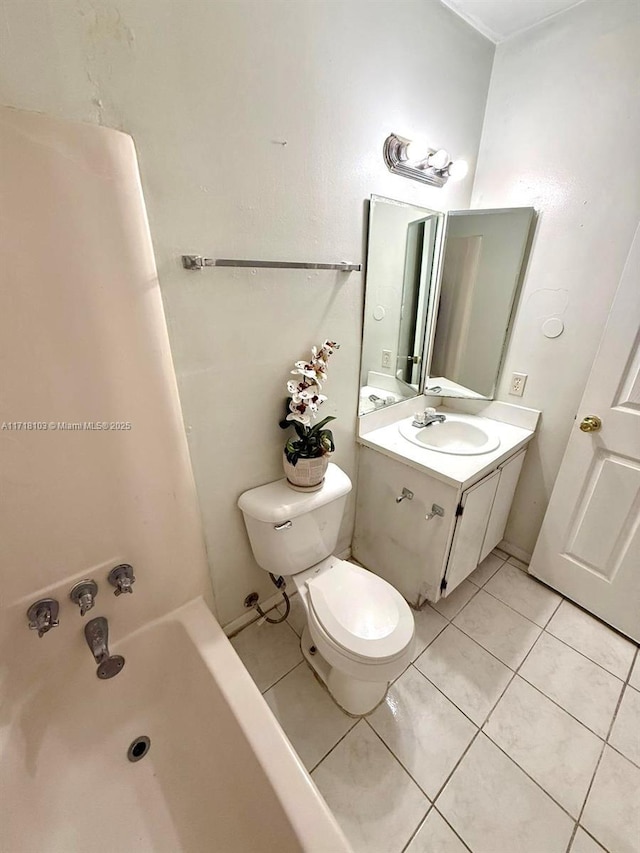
x=84, y=595
x=43, y=615
x=122, y=578
x=426, y=418
x=96, y=633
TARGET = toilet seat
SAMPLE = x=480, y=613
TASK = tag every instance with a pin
x=360, y=613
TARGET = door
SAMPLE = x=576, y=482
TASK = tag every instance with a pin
x=475, y=508
x=416, y=283
x=394, y=539
x=509, y=476
x=589, y=545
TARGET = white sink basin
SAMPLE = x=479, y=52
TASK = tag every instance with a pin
x=462, y=435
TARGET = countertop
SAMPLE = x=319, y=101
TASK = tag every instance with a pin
x=455, y=470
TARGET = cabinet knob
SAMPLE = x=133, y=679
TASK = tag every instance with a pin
x=435, y=511
x=406, y=495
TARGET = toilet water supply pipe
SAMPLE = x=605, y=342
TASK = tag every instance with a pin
x=280, y=583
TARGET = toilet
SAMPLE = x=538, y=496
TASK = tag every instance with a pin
x=359, y=632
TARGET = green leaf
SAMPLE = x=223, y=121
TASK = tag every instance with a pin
x=327, y=440
x=317, y=427
x=301, y=429
x=284, y=423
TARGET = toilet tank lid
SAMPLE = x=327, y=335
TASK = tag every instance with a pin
x=276, y=502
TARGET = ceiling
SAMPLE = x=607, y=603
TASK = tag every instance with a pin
x=500, y=19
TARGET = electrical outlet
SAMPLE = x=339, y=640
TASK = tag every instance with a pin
x=386, y=358
x=518, y=381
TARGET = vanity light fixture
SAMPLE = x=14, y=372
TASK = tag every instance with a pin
x=417, y=160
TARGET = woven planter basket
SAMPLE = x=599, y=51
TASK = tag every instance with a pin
x=307, y=475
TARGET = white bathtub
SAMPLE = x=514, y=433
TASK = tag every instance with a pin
x=220, y=776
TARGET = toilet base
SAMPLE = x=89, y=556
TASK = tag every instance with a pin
x=357, y=698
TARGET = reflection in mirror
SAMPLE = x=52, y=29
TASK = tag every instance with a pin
x=400, y=266
x=481, y=271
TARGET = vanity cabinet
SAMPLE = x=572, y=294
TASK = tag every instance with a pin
x=422, y=554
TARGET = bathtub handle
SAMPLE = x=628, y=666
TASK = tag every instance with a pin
x=122, y=578
x=286, y=525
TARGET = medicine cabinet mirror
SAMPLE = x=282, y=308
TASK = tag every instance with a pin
x=440, y=294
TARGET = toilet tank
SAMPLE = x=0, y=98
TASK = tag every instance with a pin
x=290, y=531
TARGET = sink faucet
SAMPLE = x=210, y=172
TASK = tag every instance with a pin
x=426, y=418
x=96, y=633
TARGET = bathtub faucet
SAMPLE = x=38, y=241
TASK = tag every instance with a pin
x=43, y=615
x=122, y=578
x=96, y=633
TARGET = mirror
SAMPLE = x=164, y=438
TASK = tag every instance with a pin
x=481, y=270
x=440, y=294
x=401, y=268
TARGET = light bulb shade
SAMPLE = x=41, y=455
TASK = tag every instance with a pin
x=439, y=159
x=458, y=170
x=416, y=150
x=416, y=160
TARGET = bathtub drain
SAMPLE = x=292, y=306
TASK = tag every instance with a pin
x=139, y=748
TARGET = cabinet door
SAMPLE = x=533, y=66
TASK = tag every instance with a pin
x=509, y=474
x=470, y=530
x=395, y=540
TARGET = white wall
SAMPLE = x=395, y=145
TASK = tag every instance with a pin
x=83, y=339
x=209, y=90
x=561, y=133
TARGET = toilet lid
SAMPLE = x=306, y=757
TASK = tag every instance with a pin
x=361, y=612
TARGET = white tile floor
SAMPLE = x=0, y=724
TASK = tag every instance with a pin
x=516, y=729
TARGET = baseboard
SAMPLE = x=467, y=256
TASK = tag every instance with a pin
x=514, y=551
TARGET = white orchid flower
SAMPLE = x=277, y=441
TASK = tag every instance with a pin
x=301, y=419
x=313, y=380
x=304, y=391
x=308, y=398
x=305, y=368
x=328, y=348
x=319, y=357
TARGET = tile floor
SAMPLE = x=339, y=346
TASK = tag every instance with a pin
x=516, y=728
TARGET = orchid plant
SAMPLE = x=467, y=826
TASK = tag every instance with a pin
x=302, y=407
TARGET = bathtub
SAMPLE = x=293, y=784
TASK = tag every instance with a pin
x=219, y=775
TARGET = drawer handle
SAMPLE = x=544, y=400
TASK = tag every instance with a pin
x=284, y=526
x=435, y=510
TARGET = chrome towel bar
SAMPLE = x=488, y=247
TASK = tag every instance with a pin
x=197, y=262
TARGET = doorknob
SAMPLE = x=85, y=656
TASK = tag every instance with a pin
x=591, y=423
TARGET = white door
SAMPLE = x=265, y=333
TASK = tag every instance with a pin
x=589, y=545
